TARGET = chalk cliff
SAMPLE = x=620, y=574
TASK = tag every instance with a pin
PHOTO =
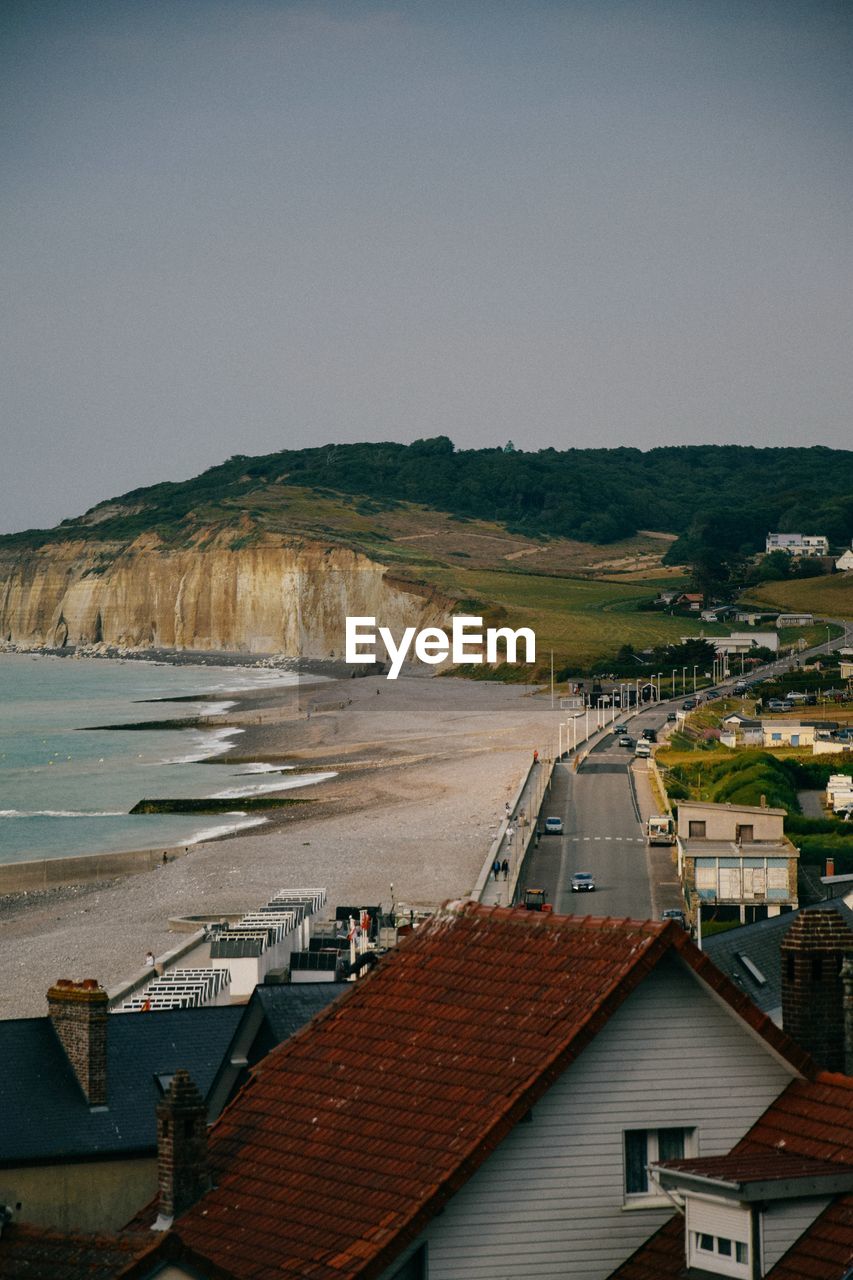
x=272, y=595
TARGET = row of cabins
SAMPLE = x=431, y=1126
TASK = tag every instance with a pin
x=739, y=730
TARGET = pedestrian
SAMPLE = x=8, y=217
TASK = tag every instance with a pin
x=535, y=757
x=165, y=858
x=510, y=832
x=496, y=867
x=536, y=841
x=507, y=809
x=149, y=959
x=505, y=868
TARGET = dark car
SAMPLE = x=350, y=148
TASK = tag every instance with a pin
x=650, y=735
x=675, y=913
x=671, y=717
x=688, y=704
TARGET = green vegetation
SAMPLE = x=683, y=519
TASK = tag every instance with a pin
x=830, y=596
x=743, y=777
x=721, y=500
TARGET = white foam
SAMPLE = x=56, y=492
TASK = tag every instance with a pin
x=62, y=813
x=263, y=768
x=230, y=828
x=284, y=784
x=213, y=742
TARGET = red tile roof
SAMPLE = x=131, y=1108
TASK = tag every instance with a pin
x=754, y=1166
x=825, y=1251
x=810, y=1127
x=350, y=1137
x=35, y=1253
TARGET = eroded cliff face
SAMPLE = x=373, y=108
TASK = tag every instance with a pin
x=270, y=596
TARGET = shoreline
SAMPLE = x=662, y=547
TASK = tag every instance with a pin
x=423, y=770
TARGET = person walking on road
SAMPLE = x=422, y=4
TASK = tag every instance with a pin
x=510, y=832
x=507, y=809
x=496, y=867
x=505, y=868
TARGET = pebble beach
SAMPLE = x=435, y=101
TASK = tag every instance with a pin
x=422, y=768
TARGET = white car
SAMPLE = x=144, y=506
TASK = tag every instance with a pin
x=554, y=826
x=642, y=749
x=582, y=882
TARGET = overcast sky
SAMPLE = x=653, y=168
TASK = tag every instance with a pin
x=235, y=227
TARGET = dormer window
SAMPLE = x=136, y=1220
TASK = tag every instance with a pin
x=718, y=1237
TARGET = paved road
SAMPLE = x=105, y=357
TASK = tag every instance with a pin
x=602, y=827
x=602, y=833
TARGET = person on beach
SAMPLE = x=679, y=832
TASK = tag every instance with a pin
x=496, y=868
x=505, y=868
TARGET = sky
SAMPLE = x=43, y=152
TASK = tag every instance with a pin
x=243, y=226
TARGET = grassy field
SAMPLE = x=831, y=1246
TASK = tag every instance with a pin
x=830, y=597
x=579, y=619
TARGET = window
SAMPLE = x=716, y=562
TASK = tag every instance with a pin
x=714, y=1249
x=718, y=1236
x=744, y=834
x=646, y=1146
x=696, y=830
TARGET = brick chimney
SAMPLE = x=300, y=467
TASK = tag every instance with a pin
x=813, y=952
x=181, y=1149
x=78, y=1011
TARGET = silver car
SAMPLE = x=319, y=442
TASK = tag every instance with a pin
x=582, y=882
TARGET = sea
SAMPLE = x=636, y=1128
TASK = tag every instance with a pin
x=66, y=788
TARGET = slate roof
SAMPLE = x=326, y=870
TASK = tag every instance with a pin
x=34, y=1253
x=288, y=1006
x=350, y=1137
x=760, y=943
x=45, y=1115
x=810, y=1124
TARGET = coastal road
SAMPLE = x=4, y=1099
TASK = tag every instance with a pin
x=602, y=833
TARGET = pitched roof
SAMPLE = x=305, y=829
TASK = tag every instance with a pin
x=809, y=1126
x=34, y=1253
x=349, y=1138
x=760, y=944
x=45, y=1115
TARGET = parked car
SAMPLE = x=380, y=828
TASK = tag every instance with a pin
x=671, y=717
x=582, y=882
x=626, y=740
x=777, y=704
x=554, y=826
x=675, y=913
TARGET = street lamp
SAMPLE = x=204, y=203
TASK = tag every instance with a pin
x=683, y=679
x=695, y=669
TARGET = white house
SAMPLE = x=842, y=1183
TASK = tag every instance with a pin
x=845, y=561
x=745, y=641
x=798, y=544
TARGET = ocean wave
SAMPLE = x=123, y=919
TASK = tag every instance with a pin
x=263, y=768
x=63, y=813
x=214, y=742
x=212, y=832
x=284, y=784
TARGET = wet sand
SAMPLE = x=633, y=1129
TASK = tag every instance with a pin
x=423, y=766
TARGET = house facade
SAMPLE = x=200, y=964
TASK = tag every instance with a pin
x=787, y=733
x=487, y=1102
x=736, y=856
x=798, y=544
